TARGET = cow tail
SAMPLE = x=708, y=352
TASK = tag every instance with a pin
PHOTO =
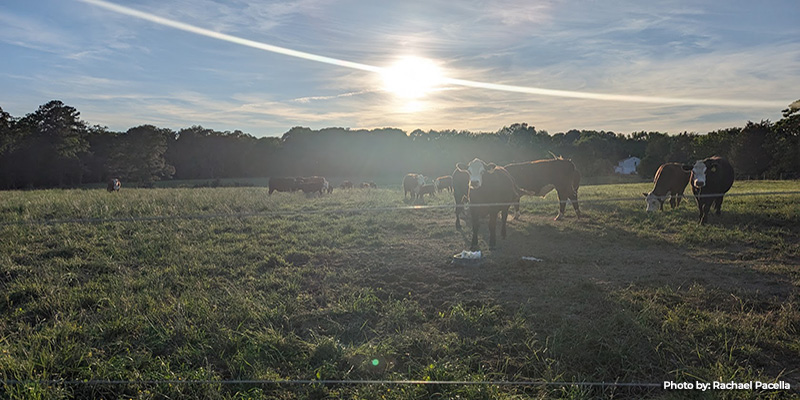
x=576, y=180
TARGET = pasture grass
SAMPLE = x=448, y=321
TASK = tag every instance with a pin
x=239, y=293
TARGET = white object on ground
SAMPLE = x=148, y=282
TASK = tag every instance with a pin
x=472, y=255
x=531, y=258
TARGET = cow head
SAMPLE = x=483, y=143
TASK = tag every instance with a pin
x=700, y=170
x=476, y=169
x=654, y=202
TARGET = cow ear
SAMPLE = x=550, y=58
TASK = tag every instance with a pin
x=687, y=167
x=461, y=166
x=491, y=166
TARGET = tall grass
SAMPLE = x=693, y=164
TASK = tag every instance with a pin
x=621, y=296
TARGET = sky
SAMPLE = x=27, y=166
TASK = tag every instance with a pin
x=263, y=67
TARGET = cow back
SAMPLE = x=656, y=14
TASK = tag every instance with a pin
x=534, y=176
x=670, y=177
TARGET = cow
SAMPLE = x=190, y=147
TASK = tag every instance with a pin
x=670, y=182
x=114, y=185
x=492, y=190
x=412, y=183
x=427, y=188
x=368, y=185
x=711, y=178
x=444, y=182
x=283, y=184
x=313, y=184
x=542, y=176
x=346, y=185
x=460, y=190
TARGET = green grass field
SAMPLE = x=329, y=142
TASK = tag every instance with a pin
x=257, y=287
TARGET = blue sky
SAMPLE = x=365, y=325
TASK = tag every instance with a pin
x=690, y=66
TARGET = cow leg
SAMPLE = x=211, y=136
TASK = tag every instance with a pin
x=718, y=205
x=516, y=211
x=504, y=215
x=562, y=205
x=704, y=208
x=492, y=226
x=574, y=200
x=672, y=200
x=474, y=246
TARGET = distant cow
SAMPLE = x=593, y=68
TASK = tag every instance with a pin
x=540, y=177
x=346, y=185
x=670, y=182
x=428, y=189
x=444, y=182
x=412, y=183
x=492, y=190
x=368, y=185
x=460, y=190
x=114, y=185
x=313, y=184
x=283, y=184
x=711, y=179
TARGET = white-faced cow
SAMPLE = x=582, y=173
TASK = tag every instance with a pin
x=542, y=176
x=492, y=190
x=670, y=182
x=711, y=179
x=114, y=185
x=412, y=183
x=460, y=191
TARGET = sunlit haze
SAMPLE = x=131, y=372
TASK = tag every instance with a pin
x=264, y=67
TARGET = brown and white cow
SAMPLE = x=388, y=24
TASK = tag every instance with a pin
x=460, y=191
x=368, y=185
x=412, y=183
x=114, y=185
x=492, y=190
x=542, y=176
x=444, y=182
x=711, y=179
x=670, y=182
x=283, y=184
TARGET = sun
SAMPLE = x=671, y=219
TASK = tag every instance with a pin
x=412, y=77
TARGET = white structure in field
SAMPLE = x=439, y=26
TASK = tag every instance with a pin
x=628, y=166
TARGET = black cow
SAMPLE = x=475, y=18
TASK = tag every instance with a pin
x=492, y=190
x=313, y=184
x=711, y=179
x=114, y=185
x=282, y=184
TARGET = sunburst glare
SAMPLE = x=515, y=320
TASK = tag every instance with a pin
x=412, y=77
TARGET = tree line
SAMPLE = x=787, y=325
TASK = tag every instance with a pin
x=53, y=147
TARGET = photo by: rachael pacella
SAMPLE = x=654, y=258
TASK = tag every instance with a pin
x=731, y=385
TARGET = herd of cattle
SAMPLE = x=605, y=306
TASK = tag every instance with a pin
x=489, y=189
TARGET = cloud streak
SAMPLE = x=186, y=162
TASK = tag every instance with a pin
x=453, y=81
